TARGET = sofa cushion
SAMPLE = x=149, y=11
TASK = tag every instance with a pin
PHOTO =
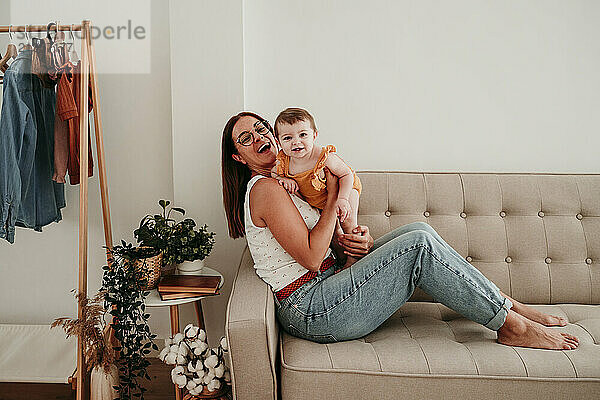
x=428, y=340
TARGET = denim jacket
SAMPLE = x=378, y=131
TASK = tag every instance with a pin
x=28, y=196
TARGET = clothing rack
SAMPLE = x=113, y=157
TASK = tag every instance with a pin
x=88, y=72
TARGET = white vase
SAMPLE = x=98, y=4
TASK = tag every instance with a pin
x=190, y=267
x=101, y=383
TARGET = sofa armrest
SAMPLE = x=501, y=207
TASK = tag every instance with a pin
x=253, y=334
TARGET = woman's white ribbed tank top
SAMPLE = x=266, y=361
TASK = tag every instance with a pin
x=272, y=263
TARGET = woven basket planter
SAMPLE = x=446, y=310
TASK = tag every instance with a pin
x=149, y=269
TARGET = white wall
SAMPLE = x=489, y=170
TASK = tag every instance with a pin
x=429, y=85
x=206, y=73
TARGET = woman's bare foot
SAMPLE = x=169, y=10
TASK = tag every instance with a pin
x=520, y=331
x=535, y=315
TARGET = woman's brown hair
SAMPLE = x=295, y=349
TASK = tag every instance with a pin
x=235, y=176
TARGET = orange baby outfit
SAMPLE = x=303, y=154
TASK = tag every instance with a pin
x=310, y=185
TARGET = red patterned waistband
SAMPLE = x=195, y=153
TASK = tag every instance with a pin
x=291, y=288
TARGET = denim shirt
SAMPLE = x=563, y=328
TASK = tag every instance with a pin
x=28, y=196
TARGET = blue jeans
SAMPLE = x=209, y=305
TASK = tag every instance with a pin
x=354, y=302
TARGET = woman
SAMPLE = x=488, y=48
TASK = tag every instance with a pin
x=316, y=299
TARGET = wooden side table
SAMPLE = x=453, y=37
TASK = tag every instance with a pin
x=153, y=300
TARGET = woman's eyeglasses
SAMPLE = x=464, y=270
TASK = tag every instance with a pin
x=247, y=137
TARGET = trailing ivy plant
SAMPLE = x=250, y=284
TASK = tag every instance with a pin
x=178, y=241
x=125, y=300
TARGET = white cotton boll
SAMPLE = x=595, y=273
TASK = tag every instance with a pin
x=214, y=385
x=211, y=373
x=171, y=358
x=178, y=338
x=224, y=344
x=181, y=359
x=191, y=385
x=183, y=349
x=201, y=348
x=211, y=361
x=220, y=370
x=191, y=331
x=202, y=335
x=181, y=381
x=174, y=348
x=164, y=353
x=168, y=341
x=196, y=391
x=177, y=371
x=190, y=367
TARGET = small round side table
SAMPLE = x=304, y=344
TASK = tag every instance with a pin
x=154, y=300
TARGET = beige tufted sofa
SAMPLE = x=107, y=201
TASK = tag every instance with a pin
x=537, y=236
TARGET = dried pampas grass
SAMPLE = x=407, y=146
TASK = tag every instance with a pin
x=90, y=328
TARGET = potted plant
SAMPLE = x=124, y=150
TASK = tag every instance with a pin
x=99, y=356
x=146, y=261
x=178, y=241
x=125, y=297
x=197, y=368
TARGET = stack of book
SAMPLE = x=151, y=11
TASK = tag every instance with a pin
x=172, y=287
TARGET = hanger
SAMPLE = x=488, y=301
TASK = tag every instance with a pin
x=11, y=52
x=50, y=25
x=58, y=49
x=27, y=46
x=73, y=54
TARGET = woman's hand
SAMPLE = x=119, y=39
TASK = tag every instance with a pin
x=358, y=243
x=332, y=185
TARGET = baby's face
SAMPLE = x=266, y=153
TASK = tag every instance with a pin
x=297, y=140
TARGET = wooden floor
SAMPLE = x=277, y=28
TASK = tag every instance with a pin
x=159, y=387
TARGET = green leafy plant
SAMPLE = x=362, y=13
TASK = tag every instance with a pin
x=178, y=241
x=125, y=299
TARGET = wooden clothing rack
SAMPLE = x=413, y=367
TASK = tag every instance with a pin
x=88, y=72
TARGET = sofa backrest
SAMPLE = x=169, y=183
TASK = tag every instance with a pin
x=536, y=236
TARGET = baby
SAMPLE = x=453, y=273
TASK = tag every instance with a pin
x=299, y=168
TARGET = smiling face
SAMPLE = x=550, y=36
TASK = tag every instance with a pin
x=260, y=152
x=297, y=139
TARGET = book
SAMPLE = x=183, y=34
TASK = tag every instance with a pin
x=200, y=284
x=177, y=296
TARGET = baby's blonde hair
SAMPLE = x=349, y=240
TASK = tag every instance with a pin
x=291, y=115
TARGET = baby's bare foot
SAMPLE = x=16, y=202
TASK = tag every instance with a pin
x=520, y=331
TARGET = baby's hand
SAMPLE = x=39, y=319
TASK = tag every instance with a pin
x=343, y=208
x=289, y=184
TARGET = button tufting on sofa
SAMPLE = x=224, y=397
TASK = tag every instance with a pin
x=469, y=258
x=588, y=260
x=548, y=260
x=463, y=215
x=541, y=214
x=502, y=214
x=426, y=213
x=388, y=213
x=508, y=259
x=579, y=216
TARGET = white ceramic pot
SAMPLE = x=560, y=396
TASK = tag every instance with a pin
x=101, y=383
x=190, y=267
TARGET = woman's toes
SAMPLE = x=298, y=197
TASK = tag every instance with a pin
x=571, y=337
x=562, y=321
